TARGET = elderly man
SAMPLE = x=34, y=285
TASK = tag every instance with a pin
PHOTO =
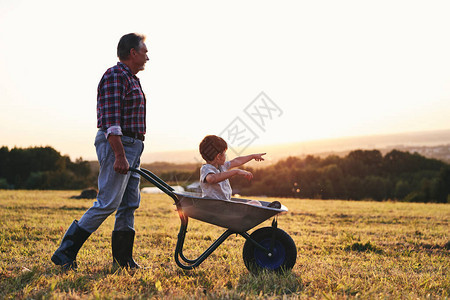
x=121, y=109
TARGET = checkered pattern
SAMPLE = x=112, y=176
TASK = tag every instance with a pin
x=121, y=101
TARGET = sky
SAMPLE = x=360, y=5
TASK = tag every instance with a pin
x=253, y=72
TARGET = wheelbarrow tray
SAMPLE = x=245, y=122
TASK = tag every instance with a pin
x=234, y=214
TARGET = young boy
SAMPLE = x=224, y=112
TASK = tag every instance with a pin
x=215, y=173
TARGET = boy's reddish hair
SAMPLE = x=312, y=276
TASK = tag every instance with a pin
x=211, y=145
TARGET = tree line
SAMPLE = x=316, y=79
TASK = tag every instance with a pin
x=362, y=174
x=42, y=168
x=359, y=175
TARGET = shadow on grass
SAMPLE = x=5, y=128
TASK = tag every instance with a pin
x=54, y=278
x=202, y=277
x=267, y=283
x=13, y=286
x=71, y=208
x=270, y=283
x=367, y=247
x=21, y=285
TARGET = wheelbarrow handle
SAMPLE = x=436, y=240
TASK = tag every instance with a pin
x=156, y=181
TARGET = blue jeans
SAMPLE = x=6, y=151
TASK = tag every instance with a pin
x=116, y=192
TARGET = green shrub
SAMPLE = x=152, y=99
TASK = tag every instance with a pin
x=3, y=184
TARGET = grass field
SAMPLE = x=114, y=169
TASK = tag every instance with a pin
x=345, y=250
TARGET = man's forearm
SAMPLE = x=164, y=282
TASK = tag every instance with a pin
x=121, y=165
x=116, y=144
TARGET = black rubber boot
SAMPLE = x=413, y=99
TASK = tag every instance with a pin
x=122, y=249
x=71, y=243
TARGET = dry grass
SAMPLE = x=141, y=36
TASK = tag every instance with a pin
x=345, y=250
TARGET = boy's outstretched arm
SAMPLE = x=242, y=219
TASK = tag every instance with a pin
x=239, y=161
x=215, y=178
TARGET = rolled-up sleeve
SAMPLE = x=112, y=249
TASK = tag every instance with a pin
x=114, y=130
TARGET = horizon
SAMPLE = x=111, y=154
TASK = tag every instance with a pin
x=291, y=72
x=316, y=147
x=301, y=148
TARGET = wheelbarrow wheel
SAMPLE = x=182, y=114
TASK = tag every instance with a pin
x=283, y=252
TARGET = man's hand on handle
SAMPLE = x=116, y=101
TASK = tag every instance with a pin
x=121, y=165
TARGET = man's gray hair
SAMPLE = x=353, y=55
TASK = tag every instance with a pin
x=128, y=42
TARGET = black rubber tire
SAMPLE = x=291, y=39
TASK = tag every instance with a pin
x=283, y=256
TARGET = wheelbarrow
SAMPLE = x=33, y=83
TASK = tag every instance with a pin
x=267, y=248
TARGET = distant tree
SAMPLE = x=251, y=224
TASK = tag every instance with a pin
x=21, y=162
x=402, y=188
x=4, y=158
x=354, y=167
x=397, y=162
x=372, y=160
x=3, y=184
x=375, y=187
x=43, y=168
x=442, y=185
x=36, y=180
x=355, y=188
x=80, y=167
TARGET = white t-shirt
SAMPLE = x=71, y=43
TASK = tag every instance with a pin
x=221, y=190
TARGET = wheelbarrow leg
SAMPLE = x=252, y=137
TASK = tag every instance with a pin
x=180, y=241
x=193, y=263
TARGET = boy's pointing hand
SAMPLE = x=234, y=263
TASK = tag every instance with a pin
x=258, y=157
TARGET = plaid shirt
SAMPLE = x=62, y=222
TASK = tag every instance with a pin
x=120, y=101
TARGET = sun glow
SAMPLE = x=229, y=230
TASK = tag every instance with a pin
x=332, y=69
